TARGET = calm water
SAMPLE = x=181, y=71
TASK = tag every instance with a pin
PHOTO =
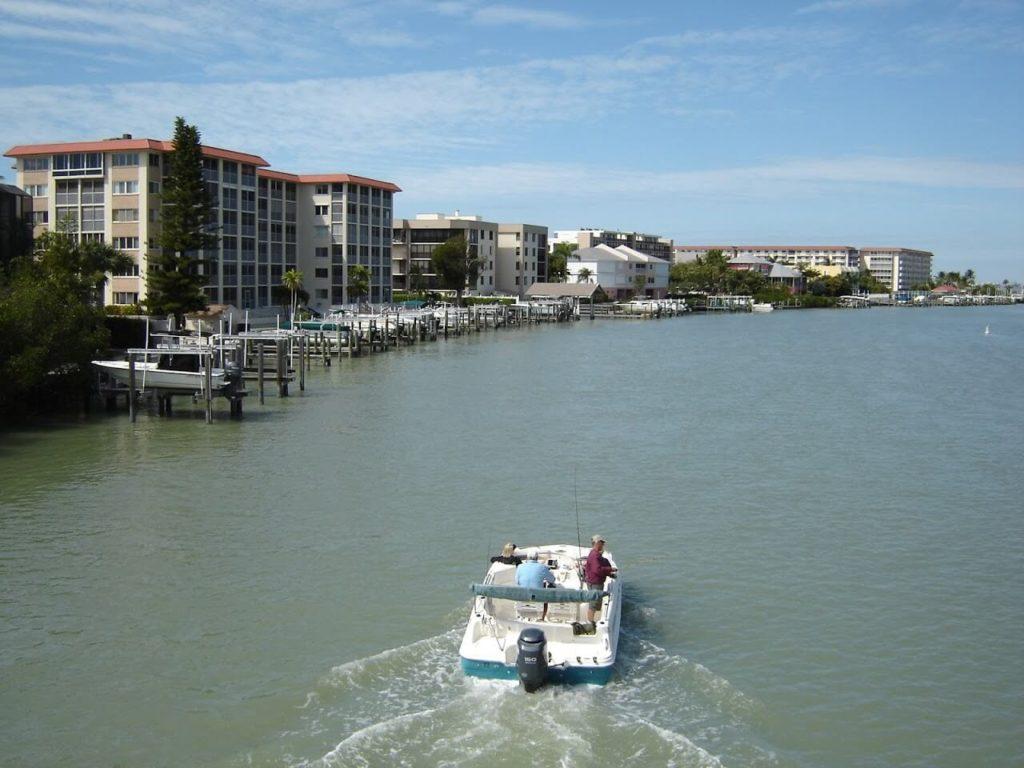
x=818, y=515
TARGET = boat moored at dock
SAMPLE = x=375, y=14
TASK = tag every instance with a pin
x=510, y=635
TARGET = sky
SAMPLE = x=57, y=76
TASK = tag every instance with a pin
x=846, y=122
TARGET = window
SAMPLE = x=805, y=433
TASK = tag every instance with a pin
x=154, y=187
x=322, y=272
x=154, y=215
x=321, y=293
x=67, y=192
x=322, y=189
x=126, y=243
x=36, y=190
x=124, y=297
x=40, y=217
x=129, y=271
x=154, y=160
x=92, y=218
x=321, y=210
x=35, y=164
x=92, y=192
x=322, y=253
x=126, y=214
x=78, y=164
x=126, y=187
x=125, y=158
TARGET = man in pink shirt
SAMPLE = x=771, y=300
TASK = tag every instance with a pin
x=597, y=569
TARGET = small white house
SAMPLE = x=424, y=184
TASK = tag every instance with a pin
x=615, y=270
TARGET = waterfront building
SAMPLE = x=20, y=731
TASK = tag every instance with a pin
x=413, y=242
x=794, y=255
x=267, y=221
x=15, y=222
x=652, y=245
x=898, y=268
x=791, y=277
x=521, y=258
x=615, y=270
x=750, y=263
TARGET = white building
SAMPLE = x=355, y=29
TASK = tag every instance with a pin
x=795, y=255
x=899, y=268
x=652, y=245
x=616, y=269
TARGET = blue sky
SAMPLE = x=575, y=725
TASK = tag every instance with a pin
x=853, y=122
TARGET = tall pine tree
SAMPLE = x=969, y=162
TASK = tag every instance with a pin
x=175, y=280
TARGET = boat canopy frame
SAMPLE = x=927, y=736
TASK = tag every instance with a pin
x=534, y=595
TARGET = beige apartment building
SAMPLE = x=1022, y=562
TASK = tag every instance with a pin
x=522, y=257
x=267, y=221
x=414, y=240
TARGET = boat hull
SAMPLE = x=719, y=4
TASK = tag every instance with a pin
x=148, y=375
x=577, y=675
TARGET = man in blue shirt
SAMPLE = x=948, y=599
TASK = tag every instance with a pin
x=536, y=576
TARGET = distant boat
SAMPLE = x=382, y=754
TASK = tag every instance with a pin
x=987, y=331
x=761, y=307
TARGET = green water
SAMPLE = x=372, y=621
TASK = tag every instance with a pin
x=818, y=515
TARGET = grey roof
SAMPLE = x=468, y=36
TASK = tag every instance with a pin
x=13, y=190
x=749, y=259
x=563, y=290
x=782, y=271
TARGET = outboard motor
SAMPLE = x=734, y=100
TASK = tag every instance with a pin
x=532, y=661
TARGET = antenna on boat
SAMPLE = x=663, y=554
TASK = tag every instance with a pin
x=579, y=539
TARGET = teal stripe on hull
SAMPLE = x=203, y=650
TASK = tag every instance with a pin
x=564, y=675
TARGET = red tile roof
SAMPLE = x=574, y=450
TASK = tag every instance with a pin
x=123, y=145
x=158, y=145
x=327, y=178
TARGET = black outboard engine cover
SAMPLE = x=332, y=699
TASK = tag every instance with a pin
x=532, y=661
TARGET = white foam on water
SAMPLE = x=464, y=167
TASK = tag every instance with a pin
x=412, y=706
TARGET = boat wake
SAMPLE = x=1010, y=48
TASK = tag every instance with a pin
x=412, y=706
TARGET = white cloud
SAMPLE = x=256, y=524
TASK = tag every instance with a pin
x=826, y=6
x=497, y=15
x=796, y=178
x=996, y=37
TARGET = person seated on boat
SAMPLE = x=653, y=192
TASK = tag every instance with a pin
x=508, y=556
x=597, y=569
x=535, y=575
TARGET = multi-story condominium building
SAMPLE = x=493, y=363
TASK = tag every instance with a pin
x=414, y=240
x=267, y=221
x=522, y=257
x=899, y=268
x=15, y=222
x=615, y=270
x=809, y=255
x=652, y=245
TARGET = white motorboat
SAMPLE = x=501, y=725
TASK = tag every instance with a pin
x=161, y=374
x=506, y=638
x=761, y=307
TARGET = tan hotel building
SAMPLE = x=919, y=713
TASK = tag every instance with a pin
x=268, y=221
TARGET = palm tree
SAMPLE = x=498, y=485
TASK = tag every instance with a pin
x=584, y=275
x=969, y=277
x=292, y=280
